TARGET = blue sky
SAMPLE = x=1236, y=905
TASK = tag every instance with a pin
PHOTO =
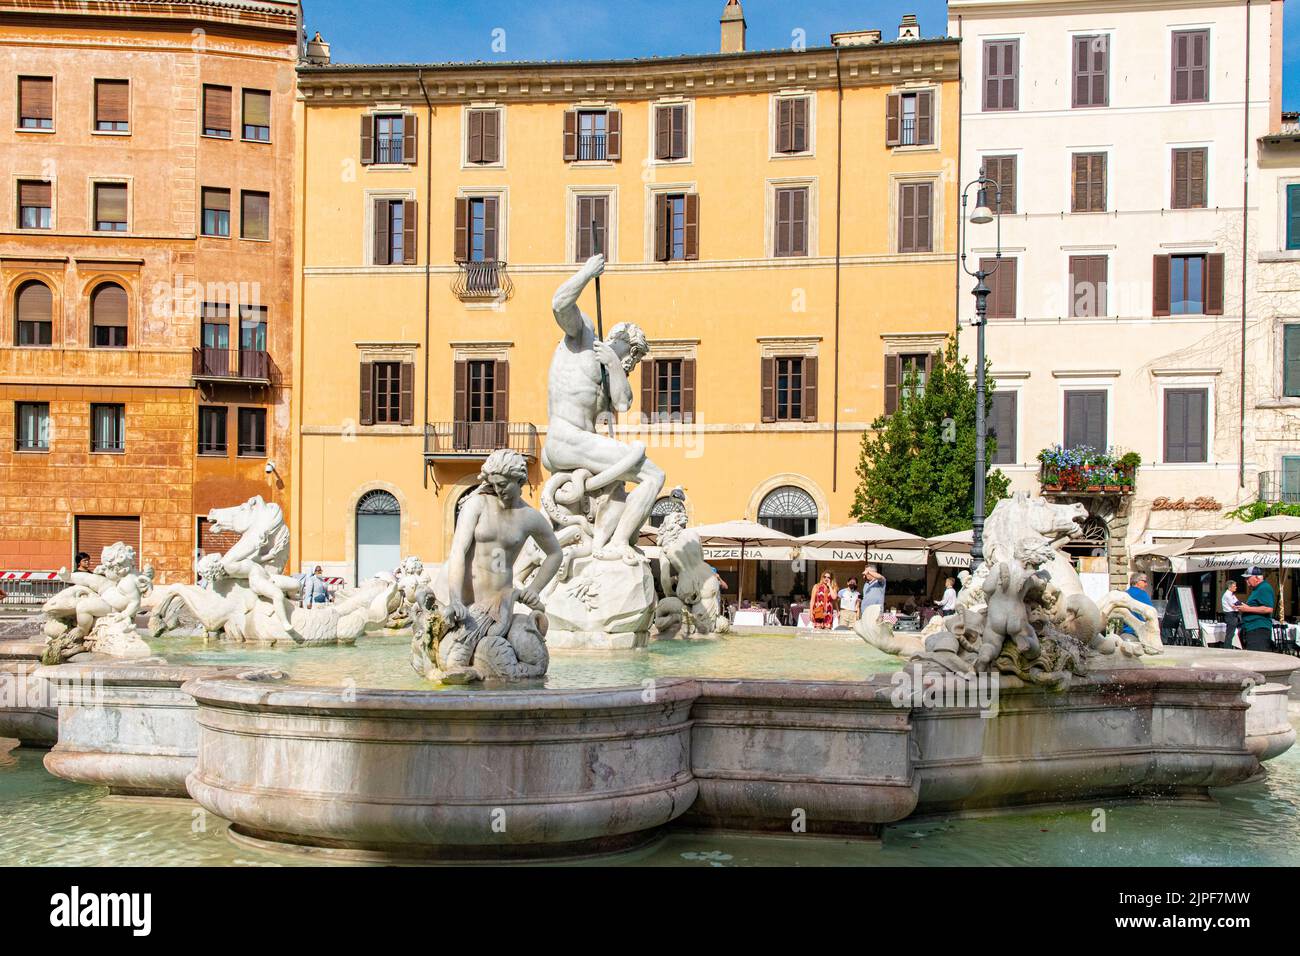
x=406, y=31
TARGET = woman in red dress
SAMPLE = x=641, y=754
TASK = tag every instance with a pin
x=823, y=603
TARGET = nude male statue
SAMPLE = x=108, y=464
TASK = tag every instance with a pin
x=577, y=402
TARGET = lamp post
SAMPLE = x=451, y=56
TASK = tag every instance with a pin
x=984, y=214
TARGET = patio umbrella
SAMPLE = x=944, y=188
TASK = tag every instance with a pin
x=1280, y=530
x=958, y=542
x=864, y=536
x=745, y=534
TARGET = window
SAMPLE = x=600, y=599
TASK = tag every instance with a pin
x=216, y=330
x=792, y=124
x=1188, y=285
x=668, y=390
x=254, y=215
x=915, y=204
x=672, y=136
x=1191, y=66
x=791, y=222
x=483, y=136
x=32, y=426
x=480, y=403
x=677, y=228
x=1002, y=170
x=216, y=111
x=593, y=135
x=395, y=231
x=1188, y=177
x=252, y=433
x=476, y=229
x=35, y=102
x=212, y=430
x=480, y=391
x=1001, y=75
x=1091, y=71
x=1291, y=361
x=108, y=428
x=387, y=393
x=389, y=139
x=1085, y=419
x=34, y=311
x=35, y=200
x=905, y=375
x=1186, y=425
x=1002, y=282
x=1293, y=216
x=1088, y=281
x=1291, y=478
x=791, y=511
x=390, y=135
x=1003, y=427
x=112, y=106
x=108, y=315
x=592, y=210
x=789, y=388
x=664, y=507
x=1088, y=183
x=110, y=207
x=257, y=116
x=216, y=212
x=252, y=328
x=909, y=119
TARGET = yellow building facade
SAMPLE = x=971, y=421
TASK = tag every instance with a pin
x=779, y=224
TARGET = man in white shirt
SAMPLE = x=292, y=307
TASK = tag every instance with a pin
x=1231, y=616
x=948, y=603
x=850, y=603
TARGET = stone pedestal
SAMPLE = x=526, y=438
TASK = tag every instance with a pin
x=605, y=604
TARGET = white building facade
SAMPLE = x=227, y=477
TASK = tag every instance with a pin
x=1119, y=131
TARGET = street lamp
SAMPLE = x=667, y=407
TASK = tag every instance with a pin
x=984, y=214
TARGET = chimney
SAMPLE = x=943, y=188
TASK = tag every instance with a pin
x=733, y=28
x=318, y=51
x=909, y=29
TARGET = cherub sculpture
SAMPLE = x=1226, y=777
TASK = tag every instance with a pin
x=96, y=612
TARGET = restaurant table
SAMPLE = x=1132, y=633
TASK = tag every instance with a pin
x=751, y=617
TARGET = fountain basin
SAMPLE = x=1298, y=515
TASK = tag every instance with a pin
x=27, y=711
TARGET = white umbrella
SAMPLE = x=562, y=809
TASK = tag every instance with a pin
x=745, y=534
x=1279, y=529
x=958, y=541
x=865, y=536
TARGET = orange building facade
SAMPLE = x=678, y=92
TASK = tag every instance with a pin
x=146, y=261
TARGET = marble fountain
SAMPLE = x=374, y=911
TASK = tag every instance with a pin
x=542, y=702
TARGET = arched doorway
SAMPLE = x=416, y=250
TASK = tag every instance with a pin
x=789, y=509
x=792, y=510
x=379, y=534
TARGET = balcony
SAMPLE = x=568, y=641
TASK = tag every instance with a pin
x=467, y=441
x=1276, y=487
x=235, y=366
x=482, y=280
x=592, y=146
x=1085, y=471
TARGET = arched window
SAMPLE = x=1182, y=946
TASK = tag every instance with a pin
x=379, y=534
x=34, y=311
x=108, y=314
x=460, y=503
x=663, y=508
x=789, y=509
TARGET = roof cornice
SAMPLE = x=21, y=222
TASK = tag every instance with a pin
x=275, y=16
x=707, y=75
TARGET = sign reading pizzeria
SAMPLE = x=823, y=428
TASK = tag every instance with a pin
x=1183, y=504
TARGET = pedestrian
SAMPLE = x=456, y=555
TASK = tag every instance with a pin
x=850, y=602
x=83, y=562
x=948, y=603
x=1138, y=589
x=873, y=587
x=1257, y=613
x=314, y=589
x=1231, y=616
x=823, y=603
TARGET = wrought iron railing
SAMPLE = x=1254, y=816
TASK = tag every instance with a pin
x=478, y=439
x=1275, y=486
x=483, y=280
x=907, y=131
x=593, y=146
x=245, y=364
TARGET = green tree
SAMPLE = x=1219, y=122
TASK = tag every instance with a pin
x=917, y=466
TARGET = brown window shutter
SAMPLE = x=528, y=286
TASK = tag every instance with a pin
x=1087, y=286
x=460, y=391
x=36, y=97
x=474, y=138
x=490, y=228
x=924, y=206
x=110, y=202
x=35, y=303
x=1002, y=170
x=1079, y=183
x=491, y=136
x=34, y=193
x=582, y=229
x=614, y=135
x=662, y=252
x=925, y=118
x=810, y=388
x=688, y=390
x=893, y=119
x=785, y=125
x=367, y=393
x=1180, y=180
x=411, y=139
x=109, y=306
x=501, y=401
x=383, y=247
x=255, y=216
x=663, y=132
x=600, y=209
x=692, y=226
x=460, y=237
x=367, y=140
x=679, y=147
x=1214, y=284
x=570, y=135
x=893, y=373
x=1002, y=300
x=781, y=239
x=406, y=393
x=112, y=101
x=906, y=217
x=1160, y=286
x=257, y=108
x=801, y=132
x=410, y=232
x=1200, y=66
x=648, y=390
x=1198, y=175
x=217, y=108
x=767, y=394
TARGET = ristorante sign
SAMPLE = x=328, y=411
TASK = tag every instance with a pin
x=1232, y=561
